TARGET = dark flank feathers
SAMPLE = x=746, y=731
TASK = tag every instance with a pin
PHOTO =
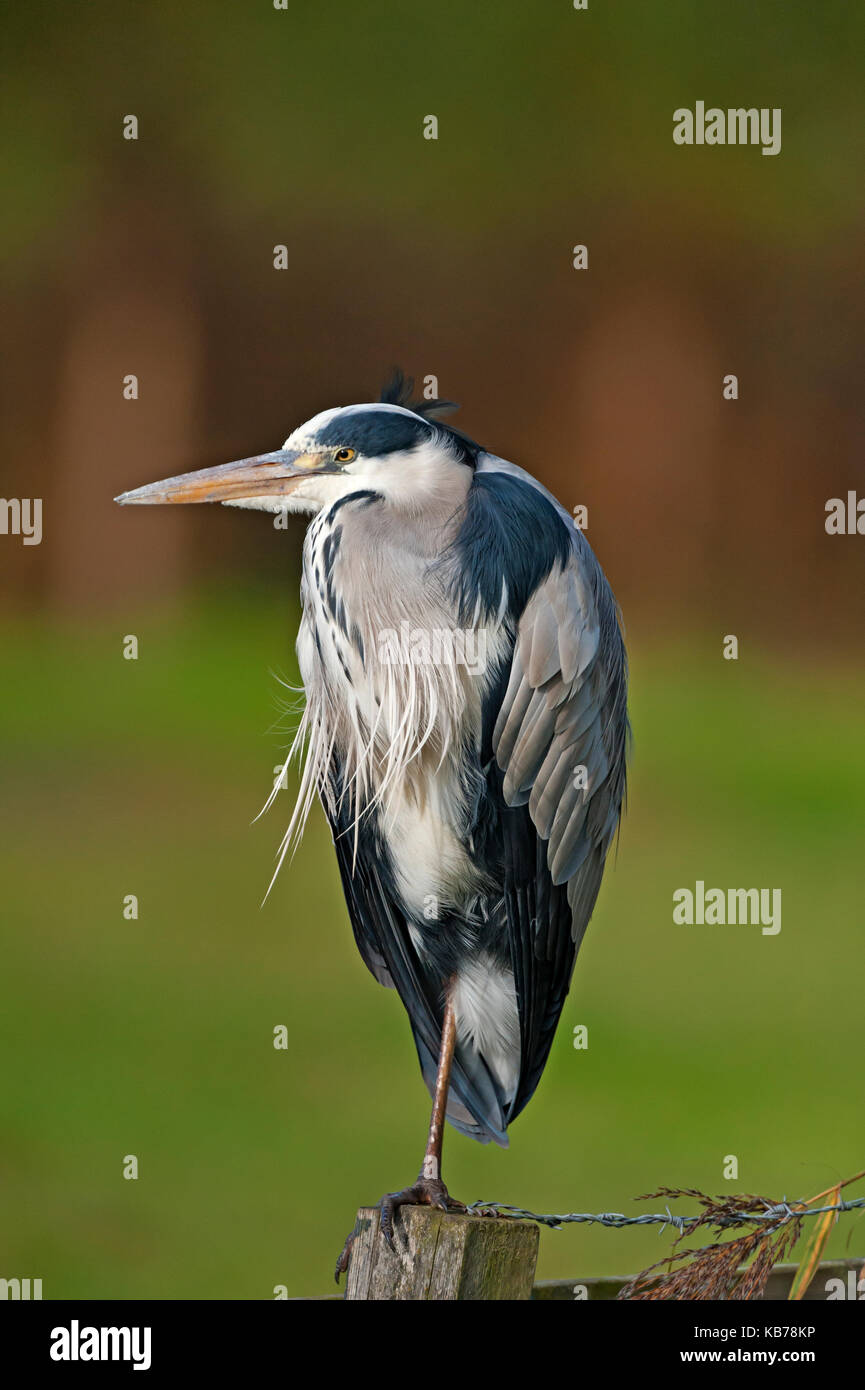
x=381, y=930
x=509, y=532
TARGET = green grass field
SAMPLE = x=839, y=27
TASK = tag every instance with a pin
x=154, y=1037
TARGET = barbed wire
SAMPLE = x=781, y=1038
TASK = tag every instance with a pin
x=777, y=1212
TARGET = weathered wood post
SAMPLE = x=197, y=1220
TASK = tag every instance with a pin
x=447, y=1257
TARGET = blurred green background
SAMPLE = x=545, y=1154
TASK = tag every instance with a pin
x=260, y=127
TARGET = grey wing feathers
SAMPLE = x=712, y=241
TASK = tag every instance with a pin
x=561, y=733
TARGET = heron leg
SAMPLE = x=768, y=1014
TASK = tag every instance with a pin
x=428, y=1189
x=432, y=1159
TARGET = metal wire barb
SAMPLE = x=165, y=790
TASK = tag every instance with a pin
x=778, y=1213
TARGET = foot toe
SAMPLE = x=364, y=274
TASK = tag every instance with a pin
x=344, y=1260
x=425, y=1192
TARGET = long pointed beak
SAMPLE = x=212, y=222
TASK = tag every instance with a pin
x=260, y=476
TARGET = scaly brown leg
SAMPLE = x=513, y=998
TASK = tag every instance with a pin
x=428, y=1190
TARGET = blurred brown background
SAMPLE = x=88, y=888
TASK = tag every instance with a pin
x=451, y=257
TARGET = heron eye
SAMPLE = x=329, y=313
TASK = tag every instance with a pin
x=344, y=455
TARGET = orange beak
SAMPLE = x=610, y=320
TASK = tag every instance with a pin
x=262, y=475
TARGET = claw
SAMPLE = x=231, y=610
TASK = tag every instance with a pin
x=429, y=1192
x=386, y=1221
x=392, y=1228
x=344, y=1260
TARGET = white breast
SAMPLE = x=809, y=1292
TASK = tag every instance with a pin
x=394, y=688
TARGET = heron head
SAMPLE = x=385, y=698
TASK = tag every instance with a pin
x=395, y=450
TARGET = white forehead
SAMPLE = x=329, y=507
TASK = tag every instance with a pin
x=311, y=428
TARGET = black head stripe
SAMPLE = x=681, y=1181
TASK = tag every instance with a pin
x=374, y=432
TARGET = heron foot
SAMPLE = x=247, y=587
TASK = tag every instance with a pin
x=425, y=1192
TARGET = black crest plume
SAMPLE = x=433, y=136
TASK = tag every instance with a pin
x=398, y=391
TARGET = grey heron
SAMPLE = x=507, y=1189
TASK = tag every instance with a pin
x=465, y=728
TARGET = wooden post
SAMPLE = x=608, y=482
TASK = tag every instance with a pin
x=448, y=1257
